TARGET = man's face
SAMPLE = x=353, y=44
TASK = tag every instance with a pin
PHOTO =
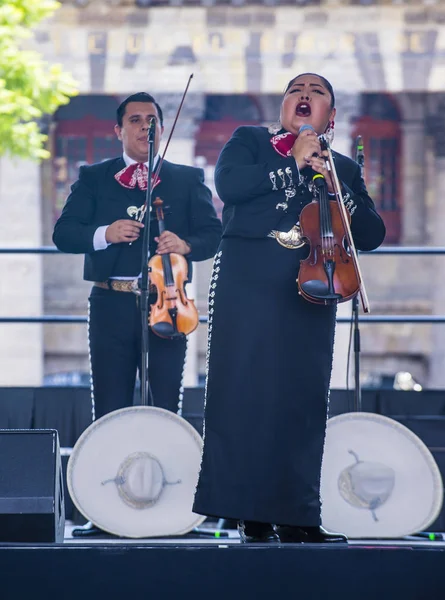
x=134, y=130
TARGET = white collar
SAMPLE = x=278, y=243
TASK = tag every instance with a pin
x=130, y=161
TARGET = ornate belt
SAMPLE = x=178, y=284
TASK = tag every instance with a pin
x=124, y=285
x=291, y=239
x=118, y=285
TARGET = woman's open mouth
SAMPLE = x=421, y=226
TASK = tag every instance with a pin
x=303, y=109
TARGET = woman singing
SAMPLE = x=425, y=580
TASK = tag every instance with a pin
x=270, y=350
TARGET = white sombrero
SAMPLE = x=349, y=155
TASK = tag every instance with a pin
x=134, y=471
x=378, y=478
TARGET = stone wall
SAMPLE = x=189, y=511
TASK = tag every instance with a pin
x=21, y=350
x=111, y=48
x=121, y=49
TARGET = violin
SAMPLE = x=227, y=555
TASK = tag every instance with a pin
x=173, y=314
x=331, y=272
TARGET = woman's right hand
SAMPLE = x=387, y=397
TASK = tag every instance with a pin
x=305, y=146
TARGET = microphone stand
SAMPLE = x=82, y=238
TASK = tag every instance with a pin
x=360, y=159
x=146, y=392
x=357, y=389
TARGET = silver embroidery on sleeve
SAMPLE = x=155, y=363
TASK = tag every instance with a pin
x=290, y=192
x=288, y=171
x=289, y=188
x=349, y=203
x=282, y=205
x=273, y=179
x=282, y=177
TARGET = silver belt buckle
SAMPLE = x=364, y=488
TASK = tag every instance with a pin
x=291, y=239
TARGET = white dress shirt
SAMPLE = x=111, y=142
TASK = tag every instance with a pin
x=99, y=241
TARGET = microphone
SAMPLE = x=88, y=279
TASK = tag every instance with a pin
x=360, y=155
x=305, y=128
x=152, y=129
x=309, y=128
x=323, y=144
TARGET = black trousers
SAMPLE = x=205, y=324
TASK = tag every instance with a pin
x=115, y=353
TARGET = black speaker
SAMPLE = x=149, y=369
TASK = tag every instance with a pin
x=31, y=486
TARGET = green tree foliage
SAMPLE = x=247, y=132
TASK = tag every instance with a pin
x=29, y=87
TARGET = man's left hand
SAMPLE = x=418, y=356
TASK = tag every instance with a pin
x=170, y=242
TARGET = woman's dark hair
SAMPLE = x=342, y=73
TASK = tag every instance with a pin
x=326, y=83
x=139, y=97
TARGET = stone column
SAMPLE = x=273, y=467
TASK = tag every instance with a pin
x=347, y=108
x=413, y=169
x=21, y=350
x=437, y=290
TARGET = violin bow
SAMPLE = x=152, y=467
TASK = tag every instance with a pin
x=344, y=217
x=161, y=160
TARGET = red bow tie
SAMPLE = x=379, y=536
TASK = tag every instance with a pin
x=135, y=175
x=283, y=143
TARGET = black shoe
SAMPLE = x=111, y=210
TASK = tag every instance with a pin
x=256, y=533
x=290, y=534
x=308, y=535
x=319, y=535
x=87, y=530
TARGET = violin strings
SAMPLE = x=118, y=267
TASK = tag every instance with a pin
x=325, y=222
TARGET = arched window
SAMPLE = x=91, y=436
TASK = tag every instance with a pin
x=379, y=127
x=83, y=135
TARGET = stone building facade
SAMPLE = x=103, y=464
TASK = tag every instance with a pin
x=386, y=61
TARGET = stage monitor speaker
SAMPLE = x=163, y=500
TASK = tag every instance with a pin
x=31, y=486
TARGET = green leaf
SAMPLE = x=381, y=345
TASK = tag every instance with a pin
x=29, y=86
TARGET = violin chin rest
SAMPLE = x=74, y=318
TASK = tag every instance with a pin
x=319, y=290
x=165, y=329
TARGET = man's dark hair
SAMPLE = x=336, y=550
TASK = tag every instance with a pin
x=139, y=97
x=324, y=80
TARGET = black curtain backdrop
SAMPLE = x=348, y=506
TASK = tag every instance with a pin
x=68, y=410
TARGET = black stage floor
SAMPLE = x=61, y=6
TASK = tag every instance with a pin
x=210, y=569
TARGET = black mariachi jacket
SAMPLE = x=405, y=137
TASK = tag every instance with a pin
x=97, y=199
x=256, y=183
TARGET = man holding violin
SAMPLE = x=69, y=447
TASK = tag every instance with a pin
x=100, y=220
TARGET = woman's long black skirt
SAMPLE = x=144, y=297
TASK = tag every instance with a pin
x=269, y=367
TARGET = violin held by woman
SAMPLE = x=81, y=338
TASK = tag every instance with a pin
x=331, y=273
